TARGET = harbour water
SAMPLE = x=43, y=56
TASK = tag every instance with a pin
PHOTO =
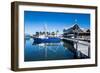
x=49, y=51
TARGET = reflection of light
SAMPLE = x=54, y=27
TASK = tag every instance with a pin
x=61, y=43
x=31, y=39
x=42, y=44
x=48, y=46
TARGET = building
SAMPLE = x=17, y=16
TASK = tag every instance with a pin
x=76, y=32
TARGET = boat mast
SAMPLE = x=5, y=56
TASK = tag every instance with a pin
x=45, y=29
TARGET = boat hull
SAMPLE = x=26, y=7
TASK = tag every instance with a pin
x=47, y=40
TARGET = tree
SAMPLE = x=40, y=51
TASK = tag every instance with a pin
x=53, y=33
x=37, y=33
x=40, y=33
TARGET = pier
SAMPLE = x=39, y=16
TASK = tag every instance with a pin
x=81, y=48
x=77, y=41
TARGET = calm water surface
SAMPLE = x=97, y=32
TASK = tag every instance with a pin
x=47, y=51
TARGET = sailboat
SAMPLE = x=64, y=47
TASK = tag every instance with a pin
x=45, y=38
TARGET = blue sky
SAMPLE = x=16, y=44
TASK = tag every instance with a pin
x=35, y=21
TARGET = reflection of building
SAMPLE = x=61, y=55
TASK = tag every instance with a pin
x=76, y=32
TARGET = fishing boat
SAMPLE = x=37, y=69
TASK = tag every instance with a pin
x=46, y=39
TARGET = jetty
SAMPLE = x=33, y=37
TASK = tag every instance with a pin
x=81, y=48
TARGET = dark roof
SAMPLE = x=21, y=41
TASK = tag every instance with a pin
x=88, y=30
x=74, y=29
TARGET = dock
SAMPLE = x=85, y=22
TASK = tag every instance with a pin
x=81, y=47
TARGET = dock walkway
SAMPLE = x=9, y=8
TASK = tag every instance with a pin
x=77, y=41
x=81, y=46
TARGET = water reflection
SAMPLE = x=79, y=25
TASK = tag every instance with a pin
x=49, y=51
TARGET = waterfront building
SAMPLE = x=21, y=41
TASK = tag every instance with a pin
x=76, y=32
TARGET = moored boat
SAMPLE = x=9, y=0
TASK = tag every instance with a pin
x=47, y=40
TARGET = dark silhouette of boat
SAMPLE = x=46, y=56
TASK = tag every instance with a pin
x=47, y=40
